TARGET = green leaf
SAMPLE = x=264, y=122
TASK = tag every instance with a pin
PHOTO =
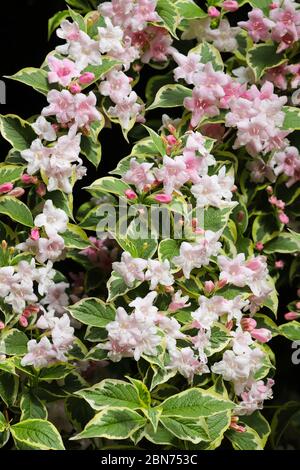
x=143, y=392
x=216, y=219
x=96, y=353
x=186, y=429
x=169, y=14
x=263, y=56
x=62, y=201
x=113, y=423
x=281, y=420
x=284, y=243
x=38, y=433
x=248, y=440
x=160, y=436
x=108, y=184
x=16, y=131
x=195, y=403
x=290, y=330
x=10, y=173
x=16, y=210
x=137, y=240
x=3, y=423
x=55, y=21
x=92, y=312
x=292, y=118
x=219, y=339
x=209, y=55
x=55, y=372
x=117, y=287
x=9, y=385
x=112, y=393
x=157, y=141
x=170, y=96
x=265, y=322
x=167, y=249
x=77, y=18
x=100, y=70
x=90, y=145
x=75, y=237
x=78, y=411
x=13, y=342
x=32, y=407
x=35, y=78
x=264, y=228
x=4, y=436
x=188, y=10
x=257, y=422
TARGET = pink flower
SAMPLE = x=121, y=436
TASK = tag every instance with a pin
x=230, y=5
x=110, y=37
x=200, y=107
x=2, y=325
x=209, y=286
x=131, y=269
x=248, y=324
x=130, y=194
x=61, y=104
x=85, y=110
x=163, y=198
x=126, y=109
x=139, y=174
x=258, y=25
x=234, y=270
x=158, y=272
x=279, y=264
x=186, y=363
x=39, y=354
x=159, y=45
x=86, y=78
x=179, y=302
x=283, y=218
x=213, y=12
x=75, y=88
x=259, y=246
x=6, y=187
x=287, y=24
x=287, y=162
x=35, y=234
x=261, y=334
x=187, y=66
x=172, y=174
x=62, y=71
x=116, y=85
x=23, y=321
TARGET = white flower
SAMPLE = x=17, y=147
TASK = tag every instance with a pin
x=131, y=269
x=241, y=342
x=20, y=293
x=51, y=248
x=6, y=279
x=56, y=297
x=209, y=310
x=144, y=308
x=224, y=36
x=47, y=320
x=213, y=190
x=44, y=277
x=39, y=354
x=110, y=37
x=158, y=272
x=62, y=333
x=186, y=363
x=52, y=219
x=44, y=129
x=37, y=156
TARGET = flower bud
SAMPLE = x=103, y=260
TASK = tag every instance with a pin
x=130, y=194
x=29, y=179
x=86, y=78
x=283, y=218
x=6, y=187
x=230, y=5
x=213, y=12
x=279, y=264
x=41, y=190
x=2, y=326
x=261, y=334
x=248, y=324
x=259, y=246
x=291, y=316
x=163, y=198
x=23, y=321
x=17, y=192
x=209, y=286
x=75, y=88
x=35, y=234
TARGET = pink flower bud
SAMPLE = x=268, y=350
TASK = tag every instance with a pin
x=23, y=321
x=130, y=194
x=259, y=246
x=273, y=5
x=30, y=310
x=237, y=427
x=279, y=264
x=261, y=334
x=234, y=189
x=17, y=192
x=2, y=326
x=169, y=289
x=6, y=187
x=29, y=179
x=283, y=218
x=75, y=88
x=221, y=283
x=171, y=139
x=291, y=316
x=269, y=190
x=213, y=12
x=41, y=190
x=230, y=5
x=248, y=324
x=35, y=234
x=164, y=198
x=209, y=286
x=86, y=77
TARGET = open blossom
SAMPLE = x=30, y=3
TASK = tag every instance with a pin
x=6, y=280
x=287, y=24
x=254, y=396
x=139, y=174
x=57, y=297
x=110, y=37
x=179, y=302
x=39, y=354
x=200, y=106
x=288, y=162
x=195, y=255
x=44, y=129
x=53, y=220
x=62, y=335
x=234, y=270
x=37, y=156
x=258, y=26
x=187, y=66
x=158, y=272
x=79, y=46
x=224, y=36
x=209, y=311
x=186, y=363
x=62, y=71
x=159, y=45
x=131, y=269
x=144, y=308
x=126, y=109
x=116, y=85
x=172, y=174
x=215, y=190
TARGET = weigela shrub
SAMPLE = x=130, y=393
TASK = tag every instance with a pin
x=161, y=334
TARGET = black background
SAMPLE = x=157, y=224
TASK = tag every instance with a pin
x=24, y=43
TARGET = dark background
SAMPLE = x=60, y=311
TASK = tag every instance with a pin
x=24, y=43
